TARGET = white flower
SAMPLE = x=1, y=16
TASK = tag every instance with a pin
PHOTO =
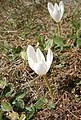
x=56, y=11
x=37, y=60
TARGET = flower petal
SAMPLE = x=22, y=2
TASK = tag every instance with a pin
x=40, y=68
x=61, y=6
x=56, y=7
x=50, y=6
x=31, y=53
x=39, y=55
x=50, y=9
x=31, y=63
x=49, y=57
x=56, y=13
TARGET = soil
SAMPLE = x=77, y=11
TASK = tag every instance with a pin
x=63, y=79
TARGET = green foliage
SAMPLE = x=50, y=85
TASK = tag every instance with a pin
x=49, y=44
x=51, y=105
x=19, y=95
x=34, y=107
x=74, y=23
x=78, y=35
x=11, y=52
x=78, y=82
x=17, y=50
x=30, y=112
x=54, y=41
x=75, y=28
x=61, y=61
x=0, y=114
x=58, y=41
x=17, y=100
x=41, y=42
x=40, y=103
x=19, y=103
x=7, y=91
x=79, y=42
x=6, y=106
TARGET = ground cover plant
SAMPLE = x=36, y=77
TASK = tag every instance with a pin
x=40, y=60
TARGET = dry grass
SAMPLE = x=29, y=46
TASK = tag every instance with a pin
x=20, y=25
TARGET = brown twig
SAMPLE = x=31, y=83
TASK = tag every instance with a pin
x=73, y=114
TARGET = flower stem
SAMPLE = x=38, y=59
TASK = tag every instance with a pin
x=59, y=28
x=49, y=87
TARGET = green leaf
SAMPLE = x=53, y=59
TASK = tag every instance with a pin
x=74, y=23
x=11, y=56
x=41, y=41
x=6, y=106
x=79, y=83
x=49, y=44
x=11, y=52
x=30, y=112
x=79, y=42
x=19, y=95
x=7, y=90
x=50, y=105
x=59, y=41
x=40, y=103
x=19, y=103
x=1, y=114
x=30, y=108
x=67, y=45
x=78, y=35
x=33, y=107
x=17, y=50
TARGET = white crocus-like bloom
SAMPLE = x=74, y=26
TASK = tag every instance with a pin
x=37, y=60
x=56, y=11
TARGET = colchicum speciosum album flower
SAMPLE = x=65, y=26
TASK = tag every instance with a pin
x=56, y=11
x=37, y=60
x=40, y=65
